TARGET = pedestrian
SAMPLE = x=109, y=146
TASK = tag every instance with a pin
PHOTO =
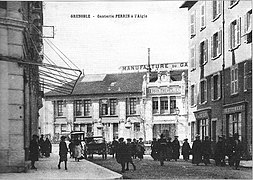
x=237, y=151
x=186, y=150
x=162, y=147
x=48, y=147
x=140, y=149
x=114, y=146
x=121, y=154
x=128, y=155
x=206, y=150
x=169, y=149
x=229, y=150
x=197, y=150
x=63, y=151
x=134, y=148
x=219, y=154
x=78, y=151
x=34, y=150
x=42, y=145
x=176, y=148
x=154, y=149
x=71, y=148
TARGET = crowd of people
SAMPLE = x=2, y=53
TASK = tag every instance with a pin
x=164, y=149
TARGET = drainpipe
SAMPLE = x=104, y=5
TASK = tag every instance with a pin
x=223, y=63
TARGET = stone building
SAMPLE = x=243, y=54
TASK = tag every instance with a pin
x=220, y=69
x=20, y=44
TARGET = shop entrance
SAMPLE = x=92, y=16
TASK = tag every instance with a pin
x=169, y=130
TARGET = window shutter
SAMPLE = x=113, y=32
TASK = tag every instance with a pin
x=245, y=27
x=219, y=6
x=206, y=50
x=214, y=8
x=200, y=54
x=212, y=88
x=219, y=86
x=229, y=37
x=212, y=56
x=238, y=31
x=205, y=89
x=195, y=94
x=219, y=42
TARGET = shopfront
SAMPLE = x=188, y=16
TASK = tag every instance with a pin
x=203, y=118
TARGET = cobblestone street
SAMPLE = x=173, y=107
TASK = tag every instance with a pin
x=150, y=169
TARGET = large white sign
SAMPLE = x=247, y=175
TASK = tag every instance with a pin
x=161, y=67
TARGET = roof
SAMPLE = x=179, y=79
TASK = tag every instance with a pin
x=188, y=4
x=106, y=84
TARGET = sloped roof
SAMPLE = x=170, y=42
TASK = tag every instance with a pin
x=106, y=83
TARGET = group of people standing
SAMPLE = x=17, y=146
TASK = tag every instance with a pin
x=39, y=148
x=202, y=151
x=164, y=149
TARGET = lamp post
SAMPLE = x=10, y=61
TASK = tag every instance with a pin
x=177, y=113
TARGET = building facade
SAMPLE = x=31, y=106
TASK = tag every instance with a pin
x=220, y=73
x=20, y=43
x=130, y=105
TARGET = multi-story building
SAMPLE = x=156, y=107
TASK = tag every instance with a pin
x=131, y=105
x=165, y=104
x=101, y=104
x=220, y=73
x=20, y=44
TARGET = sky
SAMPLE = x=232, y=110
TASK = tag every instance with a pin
x=102, y=45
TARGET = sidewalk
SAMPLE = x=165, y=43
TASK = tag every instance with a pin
x=47, y=169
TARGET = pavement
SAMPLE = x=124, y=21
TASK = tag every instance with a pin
x=47, y=169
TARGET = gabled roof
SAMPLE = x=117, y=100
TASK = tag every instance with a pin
x=106, y=84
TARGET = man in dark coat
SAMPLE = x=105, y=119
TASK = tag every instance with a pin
x=186, y=150
x=219, y=154
x=63, y=151
x=34, y=151
x=128, y=155
x=48, y=147
x=197, y=150
x=42, y=145
x=162, y=147
x=114, y=146
x=72, y=149
x=237, y=151
x=154, y=149
x=176, y=148
x=206, y=150
x=121, y=154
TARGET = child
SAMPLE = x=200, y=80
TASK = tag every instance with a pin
x=63, y=151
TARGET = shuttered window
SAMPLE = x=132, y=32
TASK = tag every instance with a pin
x=234, y=79
x=234, y=34
x=192, y=58
x=193, y=95
x=216, y=9
x=216, y=44
x=247, y=27
x=203, y=91
x=203, y=16
x=193, y=24
x=203, y=54
x=216, y=87
x=247, y=76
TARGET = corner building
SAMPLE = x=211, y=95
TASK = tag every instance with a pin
x=20, y=95
x=220, y=69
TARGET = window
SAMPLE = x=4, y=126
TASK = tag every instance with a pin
x=234, y=80
x=193, y=24
x=202, y=16
x=216, y=9
x=3, y=4
x=233, y=3
x=203, y=91
x=247, y=76
x=59, y=108
x=235, y=124
x=204, y=128
x=193, y=95
x=235, y=34
x=76, y=127
x=155, y=105
x=113, y=103
x=215, y=87
x=216, y=45
x=64, y=128
x=104, y=106
x=173, y=104
x=192, y=58
x=203, y=48
x=247, y=27
x=137, y=126
x=164, y=104
x=133, y=102
x=78, y=108
x=87, y=106
x=89, y=130
x=192, y=131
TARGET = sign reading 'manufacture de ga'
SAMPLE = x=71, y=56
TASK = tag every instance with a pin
x=164, y=90
x=161, y=66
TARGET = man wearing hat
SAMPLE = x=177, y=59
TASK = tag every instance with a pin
x=197, y=150
x=162, y=146
x=121, y=154
x=237, y=151
x=219, y=154
x=34, y=150
x=176, y=148
x=63, y=151
x=186, y=149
